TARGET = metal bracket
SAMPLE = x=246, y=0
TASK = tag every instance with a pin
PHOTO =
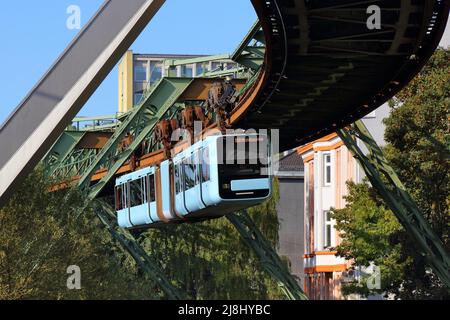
x=139, y=124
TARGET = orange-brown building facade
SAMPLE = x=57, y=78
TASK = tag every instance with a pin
x=328, y=166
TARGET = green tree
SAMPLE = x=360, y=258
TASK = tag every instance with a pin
x=417, y=132
x=209, y=260
x=43, y=233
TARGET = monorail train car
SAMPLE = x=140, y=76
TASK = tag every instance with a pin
x=219, y=175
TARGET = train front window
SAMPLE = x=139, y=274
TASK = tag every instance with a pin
x=136, y=193
x=242, y=158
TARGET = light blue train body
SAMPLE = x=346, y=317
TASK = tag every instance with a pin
x=213, y=177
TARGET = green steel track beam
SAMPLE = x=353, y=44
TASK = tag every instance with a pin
x=140, y=123
x=102, y=127
x=222, y=73
x=61, y=150
x=107, y=216
x=398, y=199
x=255, y=33
x=269, y=258
x=99, y=123
x=97, y=118
x=77, y=161
x=248, y=53
x=182, y=62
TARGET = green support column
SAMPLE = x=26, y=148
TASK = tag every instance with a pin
x=398, y=199
x=270, y=260
x=139, y=124
x=131, y=245
x=61, y=151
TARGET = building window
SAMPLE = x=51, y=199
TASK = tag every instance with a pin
x=216, y=66
x=138, y=97
x=231, y=66
x=187, y=71
x=140, y=71
x=328, y=230
x=199, y=69
x=156, y=69
x=327, y=169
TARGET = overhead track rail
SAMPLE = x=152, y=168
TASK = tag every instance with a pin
x=324, y=68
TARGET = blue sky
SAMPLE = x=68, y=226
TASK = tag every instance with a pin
x=34, y=33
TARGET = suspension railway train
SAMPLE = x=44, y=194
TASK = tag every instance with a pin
x=219, y=175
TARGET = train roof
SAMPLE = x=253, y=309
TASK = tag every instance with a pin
x=134, y=175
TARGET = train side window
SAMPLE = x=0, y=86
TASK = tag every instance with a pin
x=119, y=198
x=177, y=176
x=189, y=174
x=125, y=195
x=135, y=193
x=205, y=165
x=151, y=188
x=144, y=190
x=196, y=166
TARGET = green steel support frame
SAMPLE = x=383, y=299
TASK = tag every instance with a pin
x=251, y=51
x=77, y=161
x=269, y=258
x=61, y=151
x=140, y=124
x=398, y=199
x=106, y=215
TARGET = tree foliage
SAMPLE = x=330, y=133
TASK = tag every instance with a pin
x=209, y=260
x=418, y=144
x=42, y=233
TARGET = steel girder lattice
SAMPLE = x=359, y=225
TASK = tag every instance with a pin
x=398, y=199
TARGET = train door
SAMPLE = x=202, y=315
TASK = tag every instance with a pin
x=197, y=159
x=205, y=173
x=191, y=198
x=138, y=204
x=166, y=191
x=159, y=201
x=179, y=189
x=151, y=192
x=123, y=207
x=173, y=194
